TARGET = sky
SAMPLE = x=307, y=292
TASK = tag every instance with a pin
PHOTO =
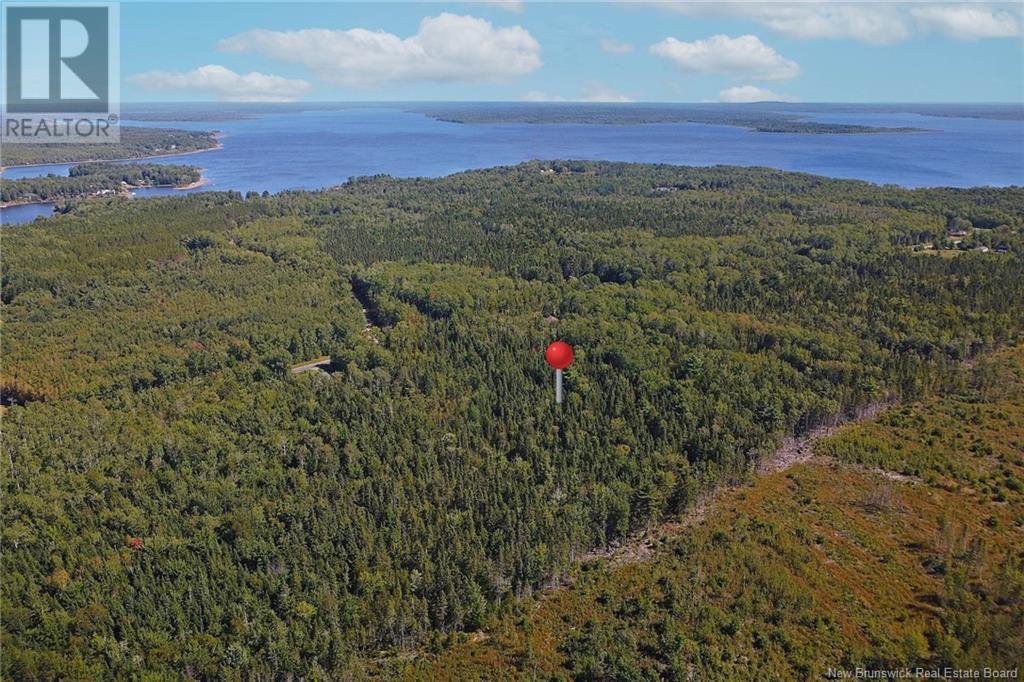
x=517, y=50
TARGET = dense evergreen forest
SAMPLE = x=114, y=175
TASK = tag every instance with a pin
x=177, y=502
x=135, y=143
x=900, y=544
x=90, y=179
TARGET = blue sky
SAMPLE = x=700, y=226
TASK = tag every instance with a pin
x=665, y=52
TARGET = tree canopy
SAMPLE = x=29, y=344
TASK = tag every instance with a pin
x=177, y=502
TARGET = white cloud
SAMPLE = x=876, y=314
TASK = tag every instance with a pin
x=225, y=84
x=599, y=92
x=879, y=23
x=870, y=22
x=744, y=56
x=447, y=47
x=752, y=93
x=965, y=22
x=593, y=92
x=612, y=46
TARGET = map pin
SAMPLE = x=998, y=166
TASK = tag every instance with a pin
x=558, y=355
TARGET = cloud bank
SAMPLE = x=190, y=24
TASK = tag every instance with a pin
x=876, y=23
x=447, y=48
x=225, y=84
x=751, y=93
x=744, y=56
x=965, y=22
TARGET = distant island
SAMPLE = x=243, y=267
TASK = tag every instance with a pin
x=136, y=143
x=993, y=112
x=96, y=180
x=759, y=120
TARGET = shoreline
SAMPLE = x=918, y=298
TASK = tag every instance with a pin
x=860, y=129
x=130, y=189
x=192, y=185
x=218, y=145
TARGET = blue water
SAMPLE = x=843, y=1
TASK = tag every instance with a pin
x=315, y=149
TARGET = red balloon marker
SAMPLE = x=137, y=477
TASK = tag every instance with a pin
x=559, y=356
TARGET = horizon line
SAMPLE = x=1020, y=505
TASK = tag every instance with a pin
x=577, y=102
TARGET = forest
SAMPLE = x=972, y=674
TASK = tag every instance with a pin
x=762, y=119
x=177, y=503
x=135, y=143
x=91, y=179
x=882, y=552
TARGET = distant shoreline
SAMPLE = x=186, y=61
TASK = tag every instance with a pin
x=795, y=127
x=219, y=145
x=192, y=185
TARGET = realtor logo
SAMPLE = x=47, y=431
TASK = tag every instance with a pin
x=61, y=72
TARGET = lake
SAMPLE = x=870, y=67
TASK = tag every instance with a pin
x=321, y=148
